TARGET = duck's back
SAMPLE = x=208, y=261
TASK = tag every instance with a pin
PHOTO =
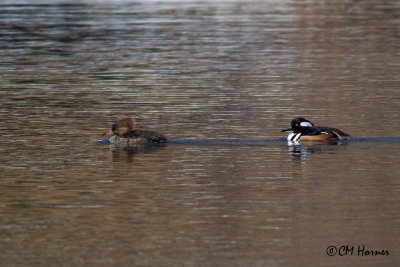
x=138, y=137
x=312, y=131
x=150, y=136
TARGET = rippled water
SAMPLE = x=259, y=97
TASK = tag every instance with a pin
x=220, y=79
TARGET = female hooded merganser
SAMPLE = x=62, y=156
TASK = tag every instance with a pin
x=122, y=134
x=304, y=130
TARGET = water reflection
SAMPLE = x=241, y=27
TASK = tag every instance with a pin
x=127, y=154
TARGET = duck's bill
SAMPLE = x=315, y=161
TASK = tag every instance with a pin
x=286, y=130
x=109, y=134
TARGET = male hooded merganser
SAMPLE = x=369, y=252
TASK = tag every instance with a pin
x=122, y=134
x=304, y=130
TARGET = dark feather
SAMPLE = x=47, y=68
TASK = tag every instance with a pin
x=151, y=136
x=320, y=130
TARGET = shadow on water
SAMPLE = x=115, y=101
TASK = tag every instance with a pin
x=299, y=151
x=211, y=142
x=128, y=153
x=246, y=142
x=302, y=150
x=227, y=142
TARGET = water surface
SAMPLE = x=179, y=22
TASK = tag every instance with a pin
x=220, y=80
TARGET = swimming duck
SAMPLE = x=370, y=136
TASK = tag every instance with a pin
x=122, y=134
x=304, y=130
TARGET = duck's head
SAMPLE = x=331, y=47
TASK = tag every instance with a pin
x=297, y=123
x=121, y=127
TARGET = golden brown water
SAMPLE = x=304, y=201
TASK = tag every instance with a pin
x=221, y=80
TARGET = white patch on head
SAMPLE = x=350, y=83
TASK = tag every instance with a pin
x=306, y=124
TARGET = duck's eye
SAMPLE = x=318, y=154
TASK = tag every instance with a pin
x=296, y=125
